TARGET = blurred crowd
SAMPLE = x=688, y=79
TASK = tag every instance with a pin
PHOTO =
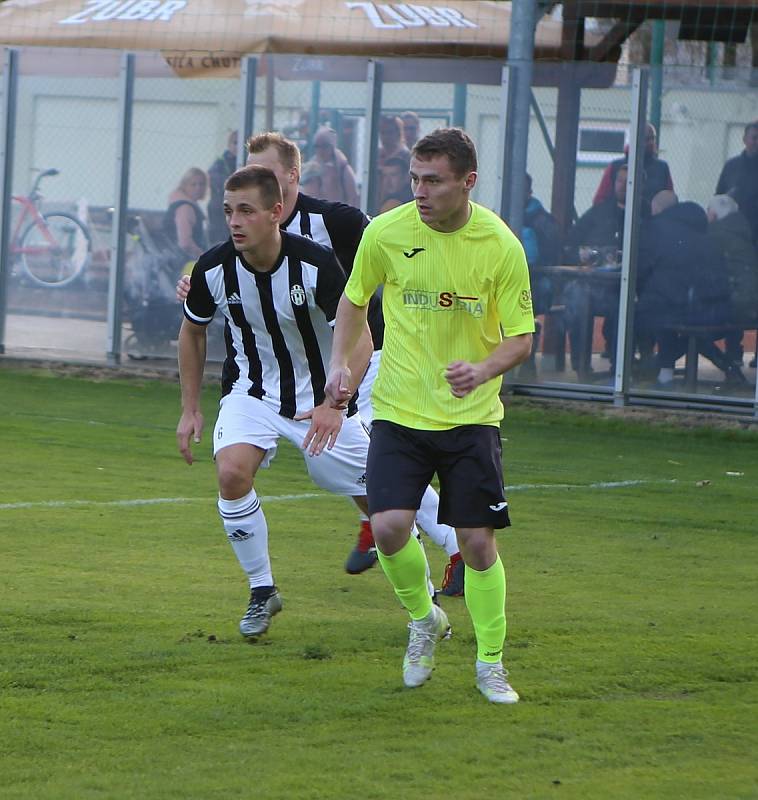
x=697, y=268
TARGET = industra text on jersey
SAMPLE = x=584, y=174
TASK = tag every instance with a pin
x=442, y=301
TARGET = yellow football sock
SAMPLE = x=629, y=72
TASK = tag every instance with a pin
x=485, y=600
x=406, y=571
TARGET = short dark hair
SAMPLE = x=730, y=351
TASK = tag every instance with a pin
x=750, y=126
x=255, y=177
x=454, y=143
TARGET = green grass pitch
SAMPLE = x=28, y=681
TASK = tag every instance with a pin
x=632, y=607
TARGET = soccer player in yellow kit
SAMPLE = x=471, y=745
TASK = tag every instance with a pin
x=458, y=315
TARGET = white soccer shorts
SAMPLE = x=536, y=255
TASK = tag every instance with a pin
x=366, y=387
x=246, y=420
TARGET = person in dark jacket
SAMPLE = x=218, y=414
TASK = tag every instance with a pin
x=656, y=176
x=219, y=171
x=602, y=225
x=681, y=280
x=739, y=178
x=595, y=240
x=727, y=224
x=543, y=246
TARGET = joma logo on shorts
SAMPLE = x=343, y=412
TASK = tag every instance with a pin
x=442, y=301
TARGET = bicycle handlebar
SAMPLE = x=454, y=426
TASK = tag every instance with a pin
x=43, y=174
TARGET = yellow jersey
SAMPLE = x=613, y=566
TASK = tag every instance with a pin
x=446, y=297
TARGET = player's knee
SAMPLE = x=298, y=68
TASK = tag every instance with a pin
x=233, y=480
x=391, y=530
x=476, y=545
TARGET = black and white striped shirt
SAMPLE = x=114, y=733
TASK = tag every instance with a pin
x=340, y=227
x=278, y=323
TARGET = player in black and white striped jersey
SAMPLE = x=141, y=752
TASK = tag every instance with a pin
x=340, y=227
x=278, y=293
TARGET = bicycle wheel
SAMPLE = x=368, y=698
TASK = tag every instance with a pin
x=54, y=252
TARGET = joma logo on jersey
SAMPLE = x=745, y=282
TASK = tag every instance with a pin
x=442, y=301
x=297, y=294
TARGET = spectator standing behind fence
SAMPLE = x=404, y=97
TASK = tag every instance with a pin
x=681, y=280
x=411, y=127
x=338, y=182
x=391, y=145
x=397, y=184
x=218, y=172
x=310, y=179
x=656, y=175
x=728, y=226
x=184, y=220
x=739, y=178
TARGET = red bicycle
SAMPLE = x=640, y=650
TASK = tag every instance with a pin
x=53, y=249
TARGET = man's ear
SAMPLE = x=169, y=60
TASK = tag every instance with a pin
x=470, y=181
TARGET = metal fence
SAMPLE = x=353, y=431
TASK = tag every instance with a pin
x=120, y=131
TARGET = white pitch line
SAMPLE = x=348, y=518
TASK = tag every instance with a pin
x=155, y=501
x=598, y=485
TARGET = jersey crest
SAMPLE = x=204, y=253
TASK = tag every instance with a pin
x=297, y=295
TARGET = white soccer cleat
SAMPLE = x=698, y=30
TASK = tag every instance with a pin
x=492, y=682
x=424, y=635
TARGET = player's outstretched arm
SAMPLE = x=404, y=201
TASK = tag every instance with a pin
x=192, y=348
x=464, y=377
x=349, y=327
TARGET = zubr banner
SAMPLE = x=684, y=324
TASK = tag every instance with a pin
x=211, y=36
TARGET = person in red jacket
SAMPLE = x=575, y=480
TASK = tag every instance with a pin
x=656, y=173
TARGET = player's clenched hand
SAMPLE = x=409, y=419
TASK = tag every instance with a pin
x=337, y=389
x=182, y=288
x=326, y=422
x=190, y=427
x=463, y=377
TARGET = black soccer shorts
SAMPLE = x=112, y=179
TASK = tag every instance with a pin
x=466, y=459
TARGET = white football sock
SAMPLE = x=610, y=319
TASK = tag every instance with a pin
x=442, y=535
x=429, y=585
x=247, y=531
